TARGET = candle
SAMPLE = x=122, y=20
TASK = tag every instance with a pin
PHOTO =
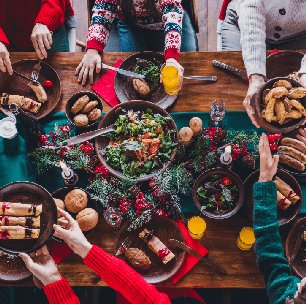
x=65, y=169
x=227, y=154
x=196, y=126
x=186, y=136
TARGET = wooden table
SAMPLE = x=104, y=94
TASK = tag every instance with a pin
x=220, y=236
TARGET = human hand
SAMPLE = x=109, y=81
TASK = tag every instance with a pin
x=180, y=70
x=90, y=61
x=255, y=83
x=42, y=266
x=41, y=38
x=72, y=235
x=268, y=163
x=5, y=62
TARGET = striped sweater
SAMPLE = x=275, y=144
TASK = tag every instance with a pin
x=105, y=11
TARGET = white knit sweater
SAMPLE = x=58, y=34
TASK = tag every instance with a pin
x=272, y=19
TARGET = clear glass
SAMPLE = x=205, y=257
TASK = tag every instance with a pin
x=217, y=114
x=246, y=238
x=196, y=227
x=113, y=217
x=170, y=79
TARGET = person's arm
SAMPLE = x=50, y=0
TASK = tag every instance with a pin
x=3, y=38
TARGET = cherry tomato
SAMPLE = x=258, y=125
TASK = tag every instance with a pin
x=48, y=83
x=271, y=138
x=278, y=137
x=273, y=147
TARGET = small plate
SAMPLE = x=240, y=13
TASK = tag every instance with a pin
x=165, y=229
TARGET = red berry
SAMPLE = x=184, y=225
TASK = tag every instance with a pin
x=272, y=138
x=273, y=147
x=48, y=83
x=278, y=137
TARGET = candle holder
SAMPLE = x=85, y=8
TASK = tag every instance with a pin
x=70, y=180
x=226, y=158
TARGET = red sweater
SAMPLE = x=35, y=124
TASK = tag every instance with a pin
x=18, y=17
x=117, y=274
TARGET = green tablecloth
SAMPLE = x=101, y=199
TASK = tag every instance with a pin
x=16, y=166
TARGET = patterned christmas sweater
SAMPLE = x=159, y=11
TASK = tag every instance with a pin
x=104, y=13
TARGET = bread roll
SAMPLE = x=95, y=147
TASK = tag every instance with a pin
x=79, y=104
x=60, y=204
x=293, y=152
x=81, y=120
x=294, y=143
x=90, y=106
x=292, y=162
x=76, y=200
x=286, y=190
x=87, y=219
x=282, y=202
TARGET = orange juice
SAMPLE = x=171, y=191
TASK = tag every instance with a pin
x=196, y=227
x=170, y=79
x=246, y=238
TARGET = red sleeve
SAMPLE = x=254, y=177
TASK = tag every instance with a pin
x=60, y=292
x=121, y=277
x=68, y=9
x=3, y=37
x=223, y=9
x=51, y=13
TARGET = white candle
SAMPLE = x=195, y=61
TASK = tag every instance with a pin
x=227, y=154
x=65, y=169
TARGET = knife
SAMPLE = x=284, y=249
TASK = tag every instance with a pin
x=87, y=136
x=208, y=78
x=124, y=72
x=222, y=65
x=193, y=252
x=25, y=77
x=297, y=246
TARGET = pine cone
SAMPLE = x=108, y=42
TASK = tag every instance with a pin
x=220, y=138
x=249, y=161
x=134, y=191
x=115, y=183
x=114, y=200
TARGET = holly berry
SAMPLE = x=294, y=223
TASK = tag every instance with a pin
x=271, y=138
x=278, y=137
x=226, y=181
x=273, y=147
x=48, y=83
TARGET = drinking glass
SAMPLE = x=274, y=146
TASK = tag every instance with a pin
x=246, y=238
x=196, y=227
x=113, y=217
x=217, y=113
x=170, y=79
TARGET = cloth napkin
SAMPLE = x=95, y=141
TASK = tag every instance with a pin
x=105, y=86
x=190, y=260
x=59, y=251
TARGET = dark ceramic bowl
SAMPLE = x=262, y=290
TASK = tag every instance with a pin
x=225, y=172
x=110, y=118
x=70, y=102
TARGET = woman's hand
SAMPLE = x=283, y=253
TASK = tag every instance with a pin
x=42, y=266
x=41, y=38
x=5, y=62
x=255, y=83
x=72, y=235
x=180, y=70
x=268, y=163
x=90, y=61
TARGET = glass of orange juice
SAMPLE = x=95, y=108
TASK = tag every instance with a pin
x=196, y=227
x=246, y=238
x=170, y=79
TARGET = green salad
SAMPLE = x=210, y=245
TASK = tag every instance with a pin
x=141, y=144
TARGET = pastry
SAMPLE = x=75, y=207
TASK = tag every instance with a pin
x=280, y=111
x=283, y=83
x=138, y=258
x=79, y=104
x=18, y=232
x=60, y=204
x=286, y=190
x=295, y=114
x=81, y=120
x=292, y=162
x=267, y=95
x=298, y=106
x=298, y=92
x=157, y=246
x=295, y=143
x=282, y=202
x=269, y=113
x=90, y=106
x=287, y=104
x=25, y=103
x=293, y=152
x=76, y=200
x=87, y=219
x=95, y=114
x=39, y=91
x=18, y=209
x=287, y=120
x=27, y=221
x=141, y=87
x=279, y=92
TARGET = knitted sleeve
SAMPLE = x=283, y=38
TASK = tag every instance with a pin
x=60, y=292
x=119, y=276
x=104, y=13
x=252, y=24
x=173, y=13
x=270, y=254
x=3, y=37
x=51, y=12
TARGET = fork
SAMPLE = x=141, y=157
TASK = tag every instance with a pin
x=36, y=70
x=124, y=246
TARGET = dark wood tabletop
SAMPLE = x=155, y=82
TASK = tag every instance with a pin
x=221, y=235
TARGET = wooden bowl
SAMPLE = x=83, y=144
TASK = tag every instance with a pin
x=30, y=193
x=165, y=229
x=61, y=193
x=282, y=64
x=124, y=85
x=110, y=117
x=273, y=127
x=18, y=86
x=298, y=266
x=283, y=217
x=222, y=171
x=70, y=102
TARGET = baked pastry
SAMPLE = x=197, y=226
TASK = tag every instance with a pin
x=157, y=246
x=287, y=104
x=18, y=209
x=279, y=92
x=60, y=204
x=39, y=91
x=283, y=83
x=295, y=143
x=298, y=92
x=282, y=202
x=286, y=190
x=90, y=106
x=295, y=114
x=267, y=95
x=81, y=120
x=18, y=232
x=79, y=104
x=76, y=200
x=94, y=114
x=298, y=106
x=27, y=221
x=141, y=87
x=269, y=112
x=138, y=258
x=280, y=111
x=292, y=162
x=87, y=219
x=293, y=152
x=25, y=103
